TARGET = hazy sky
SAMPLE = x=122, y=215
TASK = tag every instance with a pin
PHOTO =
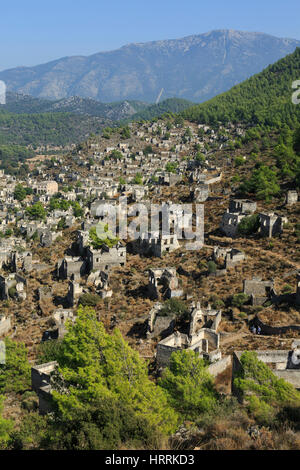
x=37, y=31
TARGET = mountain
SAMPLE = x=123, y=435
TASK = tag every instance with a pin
x=196, y=68
x=27, y=120
x=20, y=104
x=264, y=99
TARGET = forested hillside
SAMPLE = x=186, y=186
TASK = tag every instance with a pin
x=264, y=99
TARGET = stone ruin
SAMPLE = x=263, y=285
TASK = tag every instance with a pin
x=200, y=193
x=5, y=325
x=41, y=384
x=271, y=224
x=159, y=325
x=150, y=245
x=238, y=209
x=242, y=206
x=106, y=257
x=13, y=283
x=45, y=293
x=167, y=279
x=205, y=343
x=74, y=293
x=229, y=256
x=71, y=266
x=201, y=338
x=203, y=318
x=258, y=290
x=59, y=319
x=291, y=198
x=22, y=261
x=100, y=280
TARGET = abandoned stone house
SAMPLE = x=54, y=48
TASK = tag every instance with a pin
x=22, y=261
x=47, y=237
x=45, y=292
x=41, y=384
x=258, y=290
x=106, y=257
x=202, y=337
x=5, y=257
x=100, y=281
x=163, y=283
x=71, y=266
x=74, y=293
x=238, y=209
x=60, y=317
x=205, y=343
x=291, y=197
x=169, y=179
x=242, y=206
x=13, y=286
x=230, y=222
x=229, y=256
x=100, y=209
x=47, y=187
x=159, y=325
x=200, y=193
x=271, y=224
x=201, y=317
x=150, y=245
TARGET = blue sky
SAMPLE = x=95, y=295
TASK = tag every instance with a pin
x=37, y=31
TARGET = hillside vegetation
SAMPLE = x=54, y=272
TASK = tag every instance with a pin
x=264, y=99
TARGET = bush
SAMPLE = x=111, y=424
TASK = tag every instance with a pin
x=89, y=300
x=212, y=267
x=174, y=307
x=238, y=300
x=249, y=225
x=12, y=292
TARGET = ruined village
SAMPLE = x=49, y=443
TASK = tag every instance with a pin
x=236, y=292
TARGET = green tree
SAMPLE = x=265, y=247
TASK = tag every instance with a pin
x=189, y=386
x=5, y=427
x=15, y=373
x=174, y=307
x=263, y=182
x=77, y=210
x=297, y=141
x=238, y=300
x=97, y=366
x=36, y=211
x=148, y=149
x=125, y=133
x=90, y=300
x=263, y=392
x=171, y=167
x=138, y=179
x=212, y=267
x=109, y=239
x=20, y=192
x=249, y=225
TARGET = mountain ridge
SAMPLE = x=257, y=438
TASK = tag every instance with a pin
x=196, y=68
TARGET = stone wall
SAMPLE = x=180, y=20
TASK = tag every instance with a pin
x=5, y=325
x=219, y=366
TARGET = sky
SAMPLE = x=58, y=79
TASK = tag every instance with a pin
x=38, y=31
